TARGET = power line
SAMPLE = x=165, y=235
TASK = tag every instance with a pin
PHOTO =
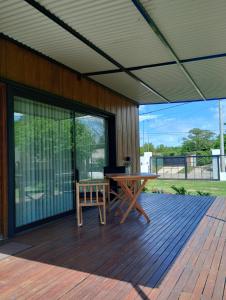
x=165, y=133
x=173, y=113
x=169, y=107
x=172, y=132
x=149, y=112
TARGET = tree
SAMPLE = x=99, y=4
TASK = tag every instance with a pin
x=163, y=150
x=217, y=142
x=147, y=147
x=47, y=143
x=199, y=141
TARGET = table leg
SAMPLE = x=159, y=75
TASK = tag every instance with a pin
x=141, y=210
x=127, y=211
x=126, y=196
x=133, y=199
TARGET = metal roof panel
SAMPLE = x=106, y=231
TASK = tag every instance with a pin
x=193, y=28
x=170, y=81
x=127, y=86
x=210, y=76
x=114, y=26
x=25, y=24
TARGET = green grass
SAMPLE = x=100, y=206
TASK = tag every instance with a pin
x=215, y=188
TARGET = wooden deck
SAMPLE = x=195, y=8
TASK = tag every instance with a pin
x=181, y=254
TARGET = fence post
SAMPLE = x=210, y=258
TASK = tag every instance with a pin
x=156, y=165
x=185, y=168
x=218, y=166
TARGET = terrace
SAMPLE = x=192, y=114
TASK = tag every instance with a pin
x=72, y=77
x=181, y=254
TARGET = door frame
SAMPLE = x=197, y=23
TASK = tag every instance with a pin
x=3, y=162
x=15, y=89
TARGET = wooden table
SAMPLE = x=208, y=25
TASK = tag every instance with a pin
x=131, y=188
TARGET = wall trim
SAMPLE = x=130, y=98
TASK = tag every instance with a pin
x=3, y=162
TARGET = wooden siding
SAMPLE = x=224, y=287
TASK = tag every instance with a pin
x=3, y=162
x=23, y=66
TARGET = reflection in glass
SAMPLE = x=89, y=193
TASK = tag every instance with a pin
x=91, y=146
x=46, y=140
x=43, y=161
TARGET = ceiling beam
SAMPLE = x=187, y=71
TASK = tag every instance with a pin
x=91, y=45
x=131, y=68
x=163, y=64
x=164, y=41
x=79, y=75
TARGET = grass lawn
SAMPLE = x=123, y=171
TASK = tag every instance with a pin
x=215, y=188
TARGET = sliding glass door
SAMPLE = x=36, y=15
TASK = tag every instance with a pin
x=43, y=161
x=50, y=143
x=91, y=146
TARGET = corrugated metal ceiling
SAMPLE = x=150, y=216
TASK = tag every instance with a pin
x=192, y=28
x=114, y=26
x=25, y=24
x=210, y=76
x=127, y=86
x=171, y=82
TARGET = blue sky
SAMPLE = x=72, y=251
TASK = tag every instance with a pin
x=169, y=126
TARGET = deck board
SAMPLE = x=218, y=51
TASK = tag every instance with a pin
x=179, y=255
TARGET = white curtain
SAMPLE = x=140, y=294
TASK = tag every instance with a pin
x=91, y=146
x=43, y=160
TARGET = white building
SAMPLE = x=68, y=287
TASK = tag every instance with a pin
x=146, y=162
x=216, y=165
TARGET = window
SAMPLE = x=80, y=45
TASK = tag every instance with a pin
x=91, y=146
x=50, y=142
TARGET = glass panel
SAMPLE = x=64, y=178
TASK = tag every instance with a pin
x=91, y=146
x=43, y=161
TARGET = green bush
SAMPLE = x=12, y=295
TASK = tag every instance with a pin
x=203, y=193
x=180, y=190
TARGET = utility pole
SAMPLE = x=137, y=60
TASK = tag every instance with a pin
x=143, y=132
x=148, y=142
x=221, y=127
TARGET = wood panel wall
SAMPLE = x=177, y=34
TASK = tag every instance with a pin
x=3, y=163
x=23, y=66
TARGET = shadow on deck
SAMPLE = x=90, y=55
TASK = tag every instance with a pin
x=136, y=252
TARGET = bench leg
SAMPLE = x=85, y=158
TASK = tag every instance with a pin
x=79, y=216
x=102, y=214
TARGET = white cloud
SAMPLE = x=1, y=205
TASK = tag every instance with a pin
x=147, y=117
x=215, y=110
x=164, y=129
x=142, y=108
